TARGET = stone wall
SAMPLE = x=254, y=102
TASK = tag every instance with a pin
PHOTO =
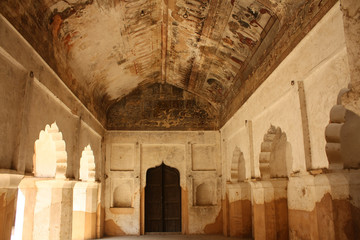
x=31, y=97
x=298, y=95
x=264, y=175
x=310, y=201
x=194, y=154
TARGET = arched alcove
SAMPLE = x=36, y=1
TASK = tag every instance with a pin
x=238, y=171
x=275, y=157
x=122, y=196
x=87, y=165
x=50, y=157
x=204, y=194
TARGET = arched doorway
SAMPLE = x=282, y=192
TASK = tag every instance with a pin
x=162, y=200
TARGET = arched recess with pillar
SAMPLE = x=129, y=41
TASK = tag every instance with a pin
x=275, y=157
x=45, y=200
x=238, y=192
x=84, y=218
x=269, y=206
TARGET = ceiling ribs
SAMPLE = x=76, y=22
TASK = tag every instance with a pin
x=164, y=39
x=194, y=83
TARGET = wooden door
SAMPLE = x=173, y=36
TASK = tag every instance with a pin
x=162, y=200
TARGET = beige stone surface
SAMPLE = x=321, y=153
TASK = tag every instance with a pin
x=50, y=157
x=43, y=99
x=87, y=165
x=329, y=202
x=333, y=74
x=53, y=210
x=8, y=197
x=175, y=149
x=204, y=157
x=275, y=101
x=43, y=88
x=264, y=175
x=122, y=157
x=84, y=210
x=25, y=209
x=11, y=74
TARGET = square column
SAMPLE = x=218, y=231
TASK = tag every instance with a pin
x=269, y=209
x=85, y=210
x=8, y=195
x=53, y=210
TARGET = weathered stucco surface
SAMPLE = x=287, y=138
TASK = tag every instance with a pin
x=297, y=97
x=161, y=107
x=38, y=97
x=8, y=198
x=196, y=155
x=276, y=102
x=44, y=100
x=328, y=202
x=181, y=65
x=85, y=202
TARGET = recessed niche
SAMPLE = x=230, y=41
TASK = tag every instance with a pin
x=122, y=193
x=238, y=172
x=50, y=157
x=205, y=193
x=87, y=165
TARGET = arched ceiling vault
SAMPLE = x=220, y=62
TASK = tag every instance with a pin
x=217, y=51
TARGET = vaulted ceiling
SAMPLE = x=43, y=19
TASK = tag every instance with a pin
x=162, y=59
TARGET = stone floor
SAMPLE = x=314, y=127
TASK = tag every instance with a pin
x=175, y=237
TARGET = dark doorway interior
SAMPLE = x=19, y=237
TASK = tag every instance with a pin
x=162, y=200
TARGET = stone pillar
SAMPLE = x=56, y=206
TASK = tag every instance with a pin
x=239, y=210
x=53, y=209
x=84, y=221
x=269, y=209
x=8, y=194
x=24, y=222
x=258, y=210
x=301, y=204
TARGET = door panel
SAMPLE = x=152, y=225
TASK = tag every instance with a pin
x=171, y=200
x=153, y=201
x=162, y=200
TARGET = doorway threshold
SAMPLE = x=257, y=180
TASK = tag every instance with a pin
x=163, y=233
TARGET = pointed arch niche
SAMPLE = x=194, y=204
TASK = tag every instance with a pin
x=39, y=198
x=50, y=157
x=238, y=171
x=275, y=157
x=85, y=198
x=87, y=165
